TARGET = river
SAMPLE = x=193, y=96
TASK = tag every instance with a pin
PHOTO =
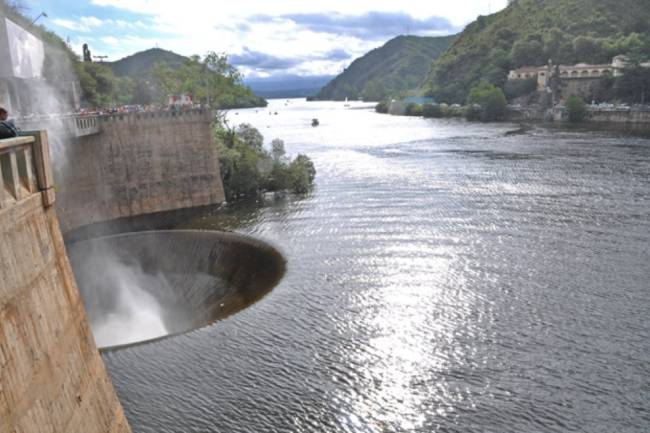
x=441, y=277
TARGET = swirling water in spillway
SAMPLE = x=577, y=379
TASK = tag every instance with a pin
x=151, y=284
x=441, y=277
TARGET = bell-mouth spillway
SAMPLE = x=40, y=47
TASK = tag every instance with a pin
x=144, y=286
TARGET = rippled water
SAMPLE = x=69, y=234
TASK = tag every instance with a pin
x=441, y=277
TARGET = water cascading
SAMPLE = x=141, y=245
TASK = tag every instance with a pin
x=143, y=286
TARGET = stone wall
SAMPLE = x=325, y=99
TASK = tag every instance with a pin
x=139, y=164
x=583, y=87
x=620, y=116
x=611, y=117
x=52, y=378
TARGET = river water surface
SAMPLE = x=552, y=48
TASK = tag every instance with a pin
x=441, y=277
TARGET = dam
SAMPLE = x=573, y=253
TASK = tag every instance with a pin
x=51, y=372
x=112, y=168
x=124, y=165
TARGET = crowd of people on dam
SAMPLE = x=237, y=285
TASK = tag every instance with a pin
x=99, y=111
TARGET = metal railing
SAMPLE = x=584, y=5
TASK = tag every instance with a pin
x=86, y=125
x=25, y=169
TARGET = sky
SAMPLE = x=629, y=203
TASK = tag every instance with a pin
x=262, y=38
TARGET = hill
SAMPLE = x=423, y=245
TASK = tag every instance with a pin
x=156, y=73
x=530, y=32
x=140, y=65
x=396, y=67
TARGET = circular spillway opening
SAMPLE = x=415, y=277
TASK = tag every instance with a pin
x=143, y=286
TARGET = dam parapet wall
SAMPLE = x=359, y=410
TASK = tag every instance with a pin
x=137, y=164
x=53, y=378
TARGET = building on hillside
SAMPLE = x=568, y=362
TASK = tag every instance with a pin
x=581, y=71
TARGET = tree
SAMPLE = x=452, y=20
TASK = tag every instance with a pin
x=302, y=174
x=413, y=109
x=210, y=80
x=576, y=108
x=250, y=136
x=277, y=149
x=490, y=99
x=382, y=107
x=634, y=85
x=432, y=110
x=247, y=168
x=590, y=50
x=558, y=46
x=527, y=53
x=516, y=88
x=142, y=92
x=86, y=54
x=100, y=87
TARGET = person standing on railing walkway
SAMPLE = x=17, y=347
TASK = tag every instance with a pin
x=7, y=127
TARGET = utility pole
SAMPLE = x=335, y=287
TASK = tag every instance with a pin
x=42, y=14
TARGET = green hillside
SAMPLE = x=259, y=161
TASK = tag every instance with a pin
x=530, y=32
x=398, y=66
x=140, y=65
x=156, y=73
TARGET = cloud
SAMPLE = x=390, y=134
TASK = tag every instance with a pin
x=87, y=24
x=307, y=37
x=69, y=24
x=370, y=25
x=336, y=54
x=259, y=60
x=110, y=40
x=83, y=24
x=91, y=21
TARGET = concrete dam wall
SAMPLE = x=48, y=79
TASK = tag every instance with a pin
x=51, y=374
x=139, y=164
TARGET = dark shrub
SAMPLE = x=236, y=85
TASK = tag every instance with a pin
x=432, y=110
x=413, y=109
x=382, y=107
x=576, y=108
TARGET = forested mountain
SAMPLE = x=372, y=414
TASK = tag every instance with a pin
x=156, y=73
x=530, y=32
x=140, y=65
x=396, y=67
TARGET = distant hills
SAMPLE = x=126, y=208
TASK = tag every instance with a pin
x=398, y=66
x=288, y=86
x=530, y=32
